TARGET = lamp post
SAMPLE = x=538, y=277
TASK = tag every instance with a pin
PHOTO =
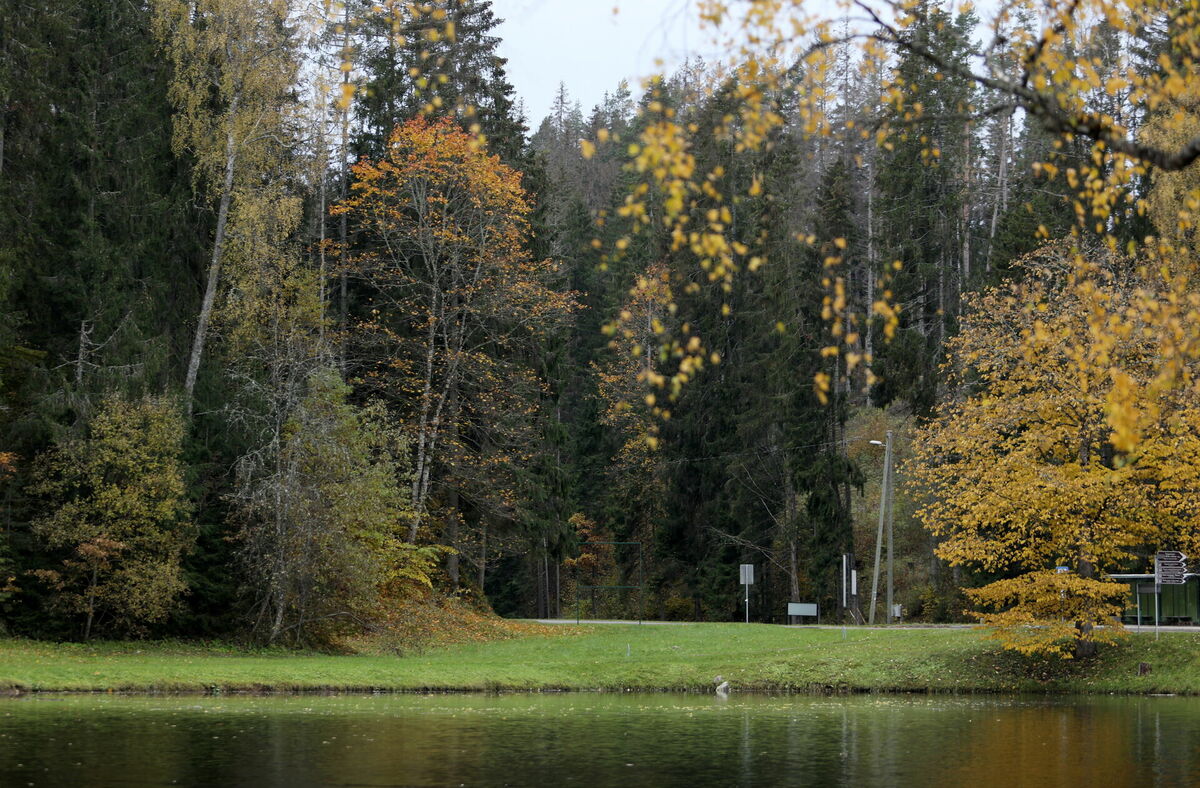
x=885, y=512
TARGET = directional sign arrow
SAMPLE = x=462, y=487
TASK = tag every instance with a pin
x=1180, y=565
x=1169, y=555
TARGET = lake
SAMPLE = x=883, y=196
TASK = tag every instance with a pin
x=598, y=739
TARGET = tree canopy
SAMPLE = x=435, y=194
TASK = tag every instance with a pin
x=292, y=284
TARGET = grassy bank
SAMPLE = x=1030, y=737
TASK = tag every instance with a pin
x=752, y=657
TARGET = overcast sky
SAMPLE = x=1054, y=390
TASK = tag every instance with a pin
x=584, y=44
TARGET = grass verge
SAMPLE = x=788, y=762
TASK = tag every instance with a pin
x=683, y=658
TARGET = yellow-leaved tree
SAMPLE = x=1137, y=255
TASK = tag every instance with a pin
x=117, y=513
x=1017, y=474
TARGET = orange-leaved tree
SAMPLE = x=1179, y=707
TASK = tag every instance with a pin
x=1018, y=475
x=457, y=305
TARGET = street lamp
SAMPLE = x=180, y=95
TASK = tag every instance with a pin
x=885, y=514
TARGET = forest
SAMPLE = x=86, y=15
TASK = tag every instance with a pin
x=302, y=320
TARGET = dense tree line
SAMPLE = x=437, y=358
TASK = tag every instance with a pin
x=298, y=318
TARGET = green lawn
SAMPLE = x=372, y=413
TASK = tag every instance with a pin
x=618, y=657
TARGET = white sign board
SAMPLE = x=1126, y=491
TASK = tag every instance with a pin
x=747, y=574
x=1170, y=567
x=802, y=608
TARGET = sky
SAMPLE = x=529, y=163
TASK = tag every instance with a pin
x=585, y=45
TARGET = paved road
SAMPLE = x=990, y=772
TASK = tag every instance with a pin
x=789, y=626
x=1147, y=629
x=610, y=621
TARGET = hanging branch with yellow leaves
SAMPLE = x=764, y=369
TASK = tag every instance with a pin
x=1042, y=59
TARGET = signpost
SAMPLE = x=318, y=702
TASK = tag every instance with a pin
x=849, y=589
x=802, y=609
x=1170, y=568
x=747, y=578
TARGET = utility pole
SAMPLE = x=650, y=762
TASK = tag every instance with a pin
x=891, y=519
x=883, y=517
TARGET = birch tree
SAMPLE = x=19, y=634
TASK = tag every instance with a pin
x=235, y=64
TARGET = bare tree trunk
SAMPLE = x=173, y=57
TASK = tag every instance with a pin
x=483, y=548
x=446, y=407
x=81, y=357
x=451, y=538
x=791, y=522
x=872, y=263
x=1085, y=644
x=87, y=629
x=965, y=263
x=1001, y=201
x=279, y=578
x=214, y=267
x=539, y=585
x=546, y=572
x=343, y=228
x=793, y=572
x=323, y=272
x=4, y=39
x=277, y=624
x=424, y=435
x=940, y=317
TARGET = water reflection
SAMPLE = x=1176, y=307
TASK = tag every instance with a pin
x=586, y=739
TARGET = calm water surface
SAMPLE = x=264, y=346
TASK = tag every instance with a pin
x=593, y=739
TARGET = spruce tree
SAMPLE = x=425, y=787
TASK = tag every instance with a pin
x=920, y=181
x=438, y=58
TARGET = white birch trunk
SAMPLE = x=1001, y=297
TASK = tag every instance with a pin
x=214, y=267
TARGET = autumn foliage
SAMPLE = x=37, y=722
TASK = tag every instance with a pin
x=1018, y=475
x=118, y=516
x=458, y=307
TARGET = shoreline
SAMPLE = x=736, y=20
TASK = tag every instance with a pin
x=219, y=692
x=759, y=659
